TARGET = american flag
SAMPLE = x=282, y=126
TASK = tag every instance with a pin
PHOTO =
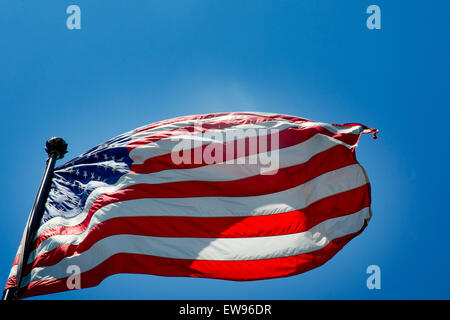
x=129, y=206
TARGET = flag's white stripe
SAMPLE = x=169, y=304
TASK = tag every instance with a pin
x=294, y=155
x=185, y=123
x=166, y=146
x=266, y=114
x=13, y=271
x=328, y=184
x=229, y=249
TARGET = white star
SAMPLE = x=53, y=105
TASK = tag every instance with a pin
x=92, y=175
x=106, y=156
x=85, y=174
x=77, y=172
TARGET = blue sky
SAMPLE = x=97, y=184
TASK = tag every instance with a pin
x=136, y=62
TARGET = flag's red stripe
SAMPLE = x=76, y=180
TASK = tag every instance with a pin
x=286, y=138
x=201, y=127
x=286, y=178
x=213, y=115
x=11, y=282
x=328, y=160
x=216, y=227
x=187, y=118
x=229, y=270
x=16, y=260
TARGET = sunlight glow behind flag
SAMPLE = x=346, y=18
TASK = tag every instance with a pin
x=236, y=196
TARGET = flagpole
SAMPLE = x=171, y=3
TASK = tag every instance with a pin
x=55, y=148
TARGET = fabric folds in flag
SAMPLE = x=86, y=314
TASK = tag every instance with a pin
x=235, y=196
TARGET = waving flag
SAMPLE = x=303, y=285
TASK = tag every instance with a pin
x=237, y=196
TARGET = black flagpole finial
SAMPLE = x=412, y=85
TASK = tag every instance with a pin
x=56, y=146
